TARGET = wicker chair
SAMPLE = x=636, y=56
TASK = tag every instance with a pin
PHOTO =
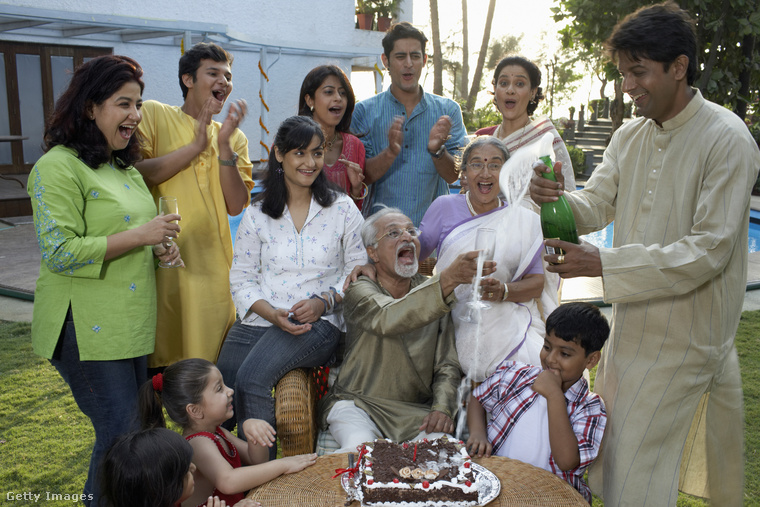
x=427, y=266
x=295, y=407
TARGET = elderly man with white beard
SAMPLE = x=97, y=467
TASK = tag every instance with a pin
x=400, y=375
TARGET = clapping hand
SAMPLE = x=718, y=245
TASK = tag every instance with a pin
x=396, y=135
x=235, y=117
x=355, y=176
x=439, y=134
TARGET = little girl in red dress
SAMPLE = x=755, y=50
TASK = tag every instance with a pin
x=151, y=468
x=195, y=397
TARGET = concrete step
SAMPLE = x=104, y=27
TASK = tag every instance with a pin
x=14, y=201
x=592, y=135
x=586, y=144
x=600, y=121
x=597, y=128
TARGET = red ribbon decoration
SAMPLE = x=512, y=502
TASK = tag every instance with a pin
x=341, y=471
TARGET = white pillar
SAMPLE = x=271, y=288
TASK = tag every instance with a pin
x=378, y=75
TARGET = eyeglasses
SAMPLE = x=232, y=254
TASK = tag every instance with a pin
x=476, y=167
x=397, y=233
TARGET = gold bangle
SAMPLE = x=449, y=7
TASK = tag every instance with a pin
x=364, y=193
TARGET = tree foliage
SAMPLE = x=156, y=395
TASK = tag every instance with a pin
x=499, y=48
x=728, y=33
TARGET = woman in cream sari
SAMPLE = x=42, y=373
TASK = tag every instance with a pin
x=516, y=94
x=512, y=328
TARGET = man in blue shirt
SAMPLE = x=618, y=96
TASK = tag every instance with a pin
x=409, y=135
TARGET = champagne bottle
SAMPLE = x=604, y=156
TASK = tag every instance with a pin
x=557, y=220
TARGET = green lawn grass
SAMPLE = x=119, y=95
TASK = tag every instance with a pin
x=45, y=441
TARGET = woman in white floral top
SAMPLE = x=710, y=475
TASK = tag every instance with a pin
x=294, y=248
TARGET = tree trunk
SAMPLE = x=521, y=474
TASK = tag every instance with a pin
x=475, y=88
x=748, y=45
x=465, y=54
x=617, y=108
x=437, y=53
x=603, y=87
x=716, y=42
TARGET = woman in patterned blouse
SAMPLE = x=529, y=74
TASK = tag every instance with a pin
x=294, y=248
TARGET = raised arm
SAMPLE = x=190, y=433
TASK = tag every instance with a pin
x=378, y=165
x=68, y=245
x=156, y=170
x=233, y=160
x=562, y=439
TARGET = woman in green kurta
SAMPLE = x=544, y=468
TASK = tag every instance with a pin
x=95, y=302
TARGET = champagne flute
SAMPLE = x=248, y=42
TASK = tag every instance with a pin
x=166, y=206
x=485, y=242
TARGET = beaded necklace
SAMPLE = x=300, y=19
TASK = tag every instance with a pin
x=469, y=204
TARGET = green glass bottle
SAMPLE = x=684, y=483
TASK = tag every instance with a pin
x=557, y=220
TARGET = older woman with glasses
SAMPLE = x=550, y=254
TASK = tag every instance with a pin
x=512, y=328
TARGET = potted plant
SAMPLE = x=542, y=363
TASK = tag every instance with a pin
x=365, y=14
x=594, y=107
x=386, y=10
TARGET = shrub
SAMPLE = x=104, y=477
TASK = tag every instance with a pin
x=485, y=116
x=578, y=158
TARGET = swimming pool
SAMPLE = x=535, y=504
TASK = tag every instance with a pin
x=603, y=238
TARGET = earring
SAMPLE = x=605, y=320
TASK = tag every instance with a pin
x=279, y=169
x=311, y=108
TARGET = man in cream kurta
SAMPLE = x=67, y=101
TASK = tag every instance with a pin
x=400, y=374
x=677, y=183
x=205, y=165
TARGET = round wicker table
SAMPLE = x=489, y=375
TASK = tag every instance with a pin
x=521, y=484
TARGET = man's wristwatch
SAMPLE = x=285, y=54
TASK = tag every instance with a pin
x=232, y=162
x=438, y=154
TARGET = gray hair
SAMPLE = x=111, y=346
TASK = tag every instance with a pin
x=369, y=229
x=479, y=142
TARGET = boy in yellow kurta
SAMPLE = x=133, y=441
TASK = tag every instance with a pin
x=205, y=165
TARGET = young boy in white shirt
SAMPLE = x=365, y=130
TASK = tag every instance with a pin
x=546, y=416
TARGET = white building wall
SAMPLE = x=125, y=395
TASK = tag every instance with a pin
x=292, y=29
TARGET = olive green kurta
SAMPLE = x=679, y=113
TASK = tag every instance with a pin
x=401, y=359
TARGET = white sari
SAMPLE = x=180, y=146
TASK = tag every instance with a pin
x=507, y=330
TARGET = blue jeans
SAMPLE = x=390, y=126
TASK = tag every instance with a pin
x=105, y=391
x=254, y=358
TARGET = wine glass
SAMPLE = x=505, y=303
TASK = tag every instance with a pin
x=167, y=206
x=485, y=242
